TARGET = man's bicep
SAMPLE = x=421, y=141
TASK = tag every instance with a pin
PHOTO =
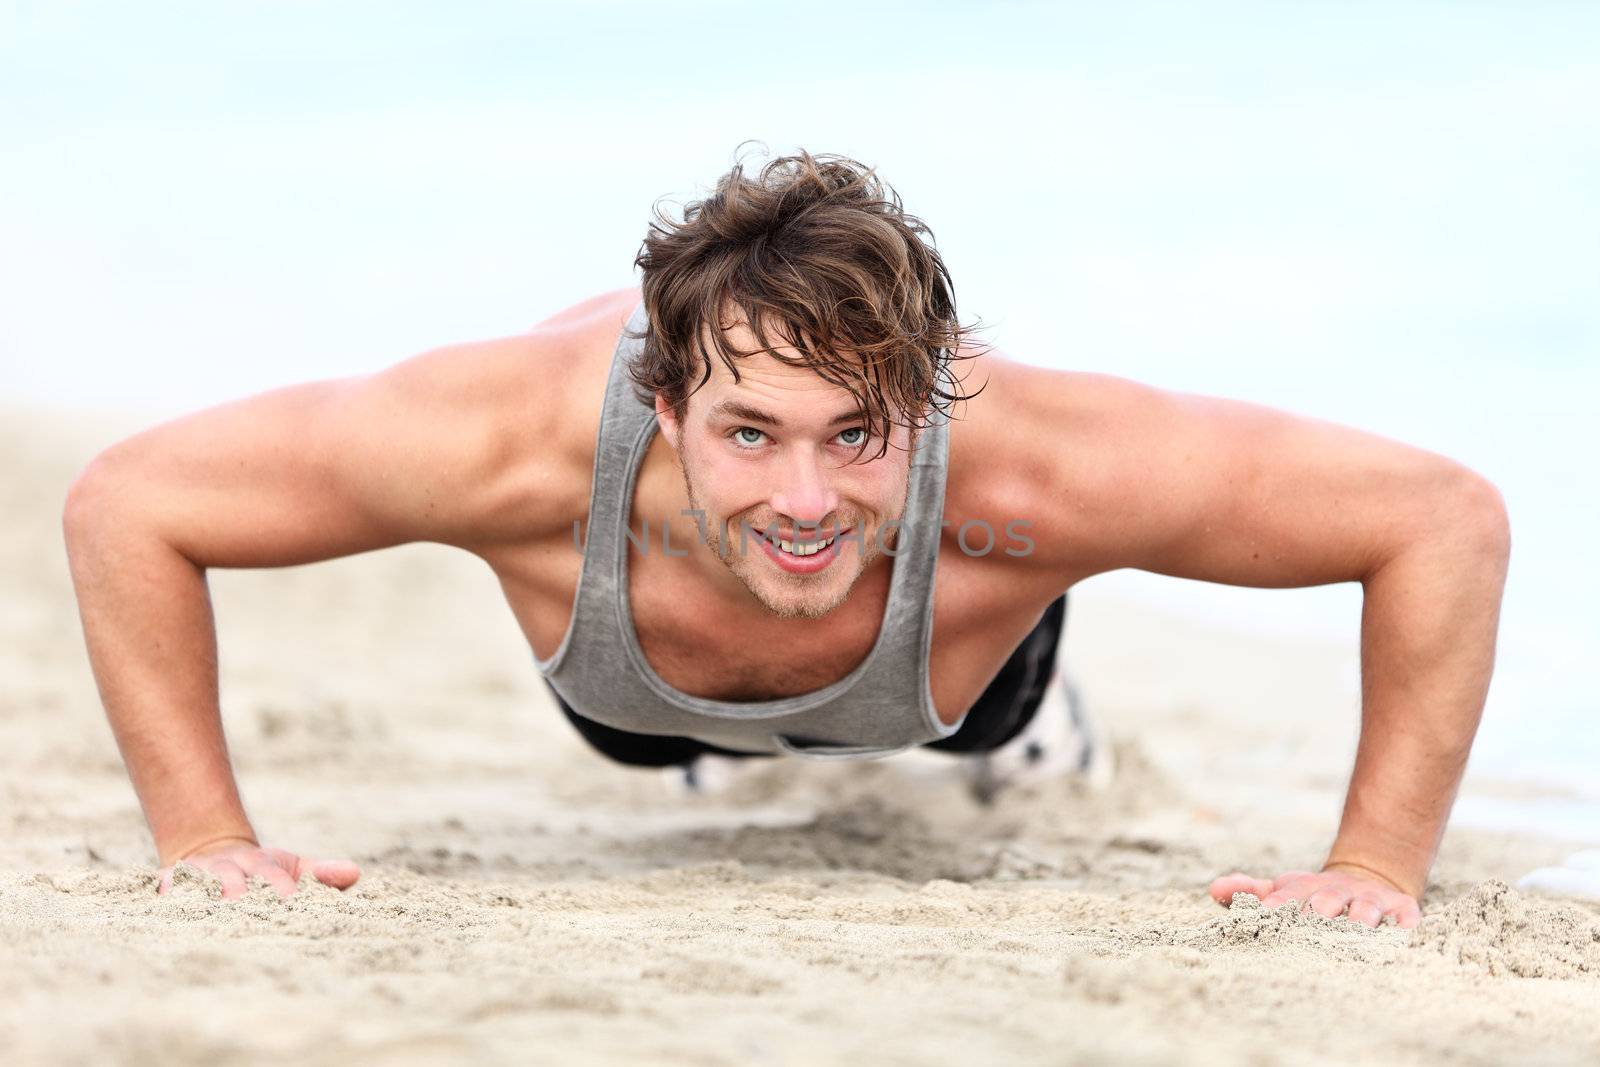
x=1227, y=491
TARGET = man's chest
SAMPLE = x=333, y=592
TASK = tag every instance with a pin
x=982, y=611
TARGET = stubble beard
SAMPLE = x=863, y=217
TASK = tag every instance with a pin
x=788, y=596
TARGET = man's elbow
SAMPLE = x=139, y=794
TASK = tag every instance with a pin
x=89, y=505
x=1478, y=514
x=77, y=513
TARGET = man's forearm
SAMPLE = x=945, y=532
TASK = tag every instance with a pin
x=148, y=625
x=1428, y=627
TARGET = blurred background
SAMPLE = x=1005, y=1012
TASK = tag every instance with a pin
x=1378, y=214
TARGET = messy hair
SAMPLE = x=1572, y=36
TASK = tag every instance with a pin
x=819, y=251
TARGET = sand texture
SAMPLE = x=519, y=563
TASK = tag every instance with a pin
x=523, y=900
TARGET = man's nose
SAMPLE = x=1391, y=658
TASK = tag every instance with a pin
x=803, y=494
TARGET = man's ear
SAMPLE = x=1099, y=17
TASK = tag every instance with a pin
x=667, y=421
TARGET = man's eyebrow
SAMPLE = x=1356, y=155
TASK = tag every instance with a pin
x=736, y=409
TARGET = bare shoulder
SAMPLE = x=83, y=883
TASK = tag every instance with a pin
x=477, y=445
x=513, y=420
x=1049, y=448
x=1117, y=474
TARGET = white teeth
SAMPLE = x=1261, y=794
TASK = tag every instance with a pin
x=804, y=549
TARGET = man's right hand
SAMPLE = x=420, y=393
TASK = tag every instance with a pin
x=233, y=862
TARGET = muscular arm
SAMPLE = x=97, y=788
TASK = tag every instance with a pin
x=1130, y=476
x=444, y=447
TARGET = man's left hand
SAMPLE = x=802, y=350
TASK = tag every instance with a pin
x=1359, y=895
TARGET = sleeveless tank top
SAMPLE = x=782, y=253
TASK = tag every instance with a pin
x=881, y=707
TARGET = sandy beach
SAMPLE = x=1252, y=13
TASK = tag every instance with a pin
x=523, y=900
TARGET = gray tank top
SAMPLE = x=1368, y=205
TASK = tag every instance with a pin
x=881, y=707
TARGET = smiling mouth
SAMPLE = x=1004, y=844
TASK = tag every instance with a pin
x=799, y=548
x=804, y=548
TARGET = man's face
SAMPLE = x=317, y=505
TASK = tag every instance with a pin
x=773, y=457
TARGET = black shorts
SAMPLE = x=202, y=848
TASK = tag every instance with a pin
x=998, y=715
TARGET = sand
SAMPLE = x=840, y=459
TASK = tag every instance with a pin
x=524, y=900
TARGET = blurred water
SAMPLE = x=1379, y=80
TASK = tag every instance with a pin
x=1377, y=214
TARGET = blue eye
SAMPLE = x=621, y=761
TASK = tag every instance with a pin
x=857, y=430
x=738, y=436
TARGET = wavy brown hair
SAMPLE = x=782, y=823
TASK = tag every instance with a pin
x=818, y=250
